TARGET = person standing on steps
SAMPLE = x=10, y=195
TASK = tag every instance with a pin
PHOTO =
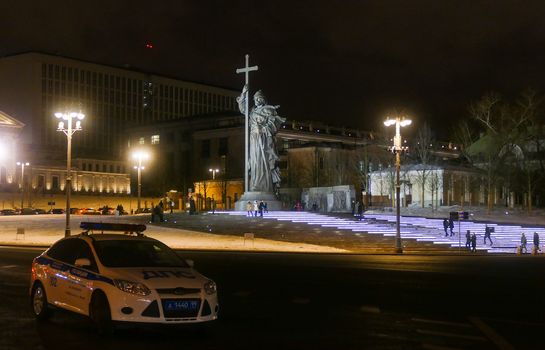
x=487, y=233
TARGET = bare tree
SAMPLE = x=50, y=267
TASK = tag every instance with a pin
x=490, y=114
x=424, y=155
x=434, y=183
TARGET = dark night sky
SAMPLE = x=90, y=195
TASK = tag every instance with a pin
x=342, y=62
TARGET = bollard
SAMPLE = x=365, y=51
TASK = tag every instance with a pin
x=519, y=250
x=249, y=236
x=20, y=232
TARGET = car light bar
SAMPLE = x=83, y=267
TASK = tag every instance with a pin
x=108, y=226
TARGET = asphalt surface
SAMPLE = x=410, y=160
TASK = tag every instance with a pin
x=310, y=301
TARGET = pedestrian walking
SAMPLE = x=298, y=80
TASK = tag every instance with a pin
x=445, y=226
x=161, y=212
x=265, y=207
x=261, y=208
x=487, y=234
x=468, y=239
x=451, y=226
x=473, y=242
x=213, y=205
x=156, y=213
x=256, y=208
x=192, y=206
x=536, y=242
x=249, y=208
x=523, y=242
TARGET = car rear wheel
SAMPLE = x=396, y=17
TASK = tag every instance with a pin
x=38, y=302
x=100, y=314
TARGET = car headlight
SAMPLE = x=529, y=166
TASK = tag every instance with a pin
x=132, y=287
x=210, y=287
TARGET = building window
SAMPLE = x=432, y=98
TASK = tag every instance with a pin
x=55, y=182
x=41, y=181
x=154, y=139
x=141, y=141
x=223, y=148
x=84, y=166
x=205, y=149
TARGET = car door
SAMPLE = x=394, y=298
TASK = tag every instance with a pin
x=80, y=278
x=56, y=271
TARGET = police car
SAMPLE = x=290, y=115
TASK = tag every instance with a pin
x=120, y=278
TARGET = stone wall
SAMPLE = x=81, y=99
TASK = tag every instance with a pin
x=13, y=200
x=329, y=199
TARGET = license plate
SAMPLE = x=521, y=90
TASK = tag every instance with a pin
x=181, y=305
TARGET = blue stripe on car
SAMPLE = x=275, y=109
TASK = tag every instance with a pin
x=43, y=260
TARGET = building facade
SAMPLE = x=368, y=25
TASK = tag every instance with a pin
x=10, y=129
x=34, y=86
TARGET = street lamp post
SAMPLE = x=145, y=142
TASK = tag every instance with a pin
x=139, y=156
x=397, y=148
x=23, y=165
x=69, y=130
x=213, y=171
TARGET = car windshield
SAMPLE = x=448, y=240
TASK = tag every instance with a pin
x=136, y=253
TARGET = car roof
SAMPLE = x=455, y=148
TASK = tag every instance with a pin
x=116, y=237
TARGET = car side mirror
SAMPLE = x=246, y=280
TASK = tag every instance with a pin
x=190, y=262
x=82, y=262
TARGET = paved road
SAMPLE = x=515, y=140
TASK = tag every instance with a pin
x=304, y=301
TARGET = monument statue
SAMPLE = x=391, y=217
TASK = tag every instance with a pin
x=264, y=122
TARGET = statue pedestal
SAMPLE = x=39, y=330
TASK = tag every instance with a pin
x=272, y=202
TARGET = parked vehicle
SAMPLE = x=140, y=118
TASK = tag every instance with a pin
x=28, y=211
x=40, y=211
x=90, y=211
x=116, y=277
x=75, y=211
x=8, y=212
x=56, y=211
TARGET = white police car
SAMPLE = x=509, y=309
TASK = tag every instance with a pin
x=120, y=278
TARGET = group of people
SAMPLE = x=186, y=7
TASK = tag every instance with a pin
x=471, y=238
x=256, y=208
x=524, y=241
x=471, y=241
x=105, y=210
x=357, y=208
x=158, y=212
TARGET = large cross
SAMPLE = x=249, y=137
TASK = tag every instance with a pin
x=246, y=70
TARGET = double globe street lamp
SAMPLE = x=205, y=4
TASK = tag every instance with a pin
x=139, y=156
x=397, y=148
x=214, y=172
x=66, y=125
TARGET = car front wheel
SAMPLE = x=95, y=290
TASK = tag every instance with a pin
x=100, y=314
x=38, y=302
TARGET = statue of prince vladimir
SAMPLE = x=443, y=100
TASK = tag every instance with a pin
x=264, y=122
